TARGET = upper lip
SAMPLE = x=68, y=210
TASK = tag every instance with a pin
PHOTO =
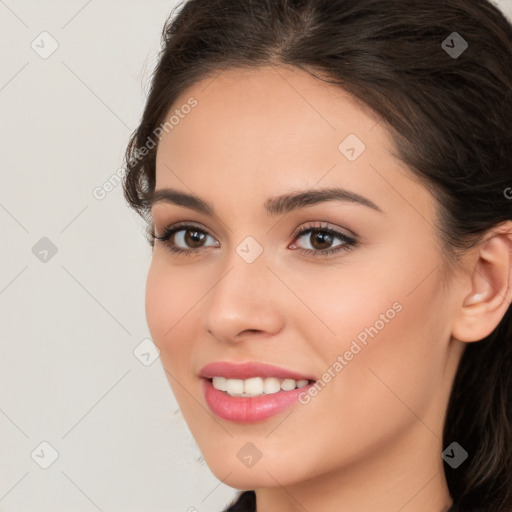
x=249, y=369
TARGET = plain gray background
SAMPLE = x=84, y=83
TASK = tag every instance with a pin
x=75, y=371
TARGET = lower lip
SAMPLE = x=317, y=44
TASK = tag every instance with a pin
x=243, y=409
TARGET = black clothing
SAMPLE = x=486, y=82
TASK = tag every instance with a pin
x=246, y=502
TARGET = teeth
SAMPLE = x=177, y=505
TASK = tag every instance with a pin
x=219, y=383
x=253, y=386
x=272, y=385
x=256, y=386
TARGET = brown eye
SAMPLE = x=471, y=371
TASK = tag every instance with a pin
x=192, y=237
x=321, y=241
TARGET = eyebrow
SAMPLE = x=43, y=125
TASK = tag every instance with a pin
x=274, y=206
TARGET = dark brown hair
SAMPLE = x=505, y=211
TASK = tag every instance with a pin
x=450, y=116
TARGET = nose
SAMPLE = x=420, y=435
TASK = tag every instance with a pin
x=244, y=302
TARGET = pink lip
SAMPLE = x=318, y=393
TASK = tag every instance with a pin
x=248, y=370
x=242, y=409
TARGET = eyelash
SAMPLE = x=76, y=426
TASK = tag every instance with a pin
x=348, y=244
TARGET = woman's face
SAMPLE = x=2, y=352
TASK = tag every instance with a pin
x=372, y=316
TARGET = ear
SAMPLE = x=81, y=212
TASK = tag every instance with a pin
x=489, y=279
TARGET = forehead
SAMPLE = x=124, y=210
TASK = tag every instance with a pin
x=265, y=131
x=274, y=104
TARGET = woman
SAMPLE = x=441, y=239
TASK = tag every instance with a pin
x=327, y=190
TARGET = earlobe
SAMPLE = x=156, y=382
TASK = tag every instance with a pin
x=490, y=276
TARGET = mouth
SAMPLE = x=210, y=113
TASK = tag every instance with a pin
x=256, y=386
x=251, y=391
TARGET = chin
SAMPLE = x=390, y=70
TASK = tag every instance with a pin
x=234, y=473
x=247, y=480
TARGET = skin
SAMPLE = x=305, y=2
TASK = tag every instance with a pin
x=372, y=438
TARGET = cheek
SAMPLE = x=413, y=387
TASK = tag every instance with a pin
x=168, y=302
x=392, y=352
x=156, y=302
x=388, y=325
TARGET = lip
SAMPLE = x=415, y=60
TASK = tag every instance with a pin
x=242, y=409
x=249, y=369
